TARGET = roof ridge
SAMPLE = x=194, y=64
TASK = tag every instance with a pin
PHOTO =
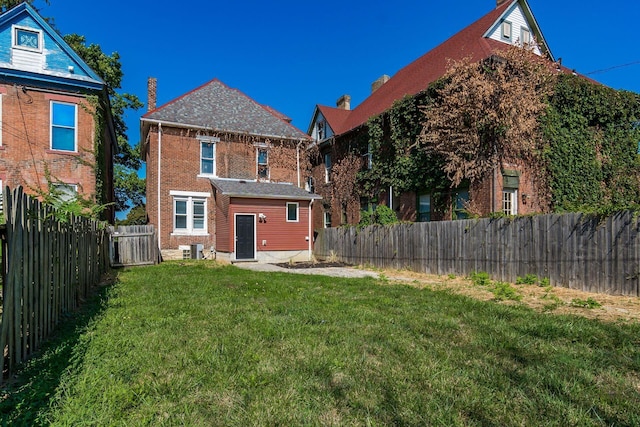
x=415, y=76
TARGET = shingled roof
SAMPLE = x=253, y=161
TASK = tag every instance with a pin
x=217, y=107
x=468, y=43
x=262, y=190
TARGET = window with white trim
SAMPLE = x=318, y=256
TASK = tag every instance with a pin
x=1, y=196
x=189, y=215
x=64, y=123
x=327, y=219
x=506, y=30
x=65, y=192
x=292, y=211
x=525, y=36
x=327, y=167
x=208, y=156
x=27, y=39
x=510, y=201
x=263, y=163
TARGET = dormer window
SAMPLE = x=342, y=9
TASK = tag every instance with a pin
x=525, y=36
x=506, y=30
x=321, y=130
x=27, y=38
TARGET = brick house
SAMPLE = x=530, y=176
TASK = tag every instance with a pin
x=225, y=172
x=48, y=97
x=338, y=130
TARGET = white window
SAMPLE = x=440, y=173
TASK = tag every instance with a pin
x=327, y=167
x=525, y=36
x=327, y=219
x=506, y=30
x=189, y=213
x=65, y=192
x=27, y=38
x=510, y=201
x=310, y=187
x=292, y=212
x=208, y=156
x=64, y=123
x=263, y=163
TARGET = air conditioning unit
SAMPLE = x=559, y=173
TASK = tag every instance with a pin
x=196, y=250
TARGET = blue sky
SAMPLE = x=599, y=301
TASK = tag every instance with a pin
x=293, y=55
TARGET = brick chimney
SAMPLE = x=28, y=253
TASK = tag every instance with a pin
x=378, y=83
x=152, y=85
x=344, y=102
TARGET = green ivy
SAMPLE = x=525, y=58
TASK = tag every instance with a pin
x=592, y=134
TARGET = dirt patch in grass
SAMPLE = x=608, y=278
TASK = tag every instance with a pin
x=554, y=300
x=312, y=264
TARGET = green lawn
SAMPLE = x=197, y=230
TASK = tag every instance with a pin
x=201, y=345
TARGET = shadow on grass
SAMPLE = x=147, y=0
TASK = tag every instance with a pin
x=26, y=398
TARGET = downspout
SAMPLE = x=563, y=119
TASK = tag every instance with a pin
x=158, y=189
x=310, y=233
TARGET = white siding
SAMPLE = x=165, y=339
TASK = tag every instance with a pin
x=518, y=21
x=29, y=61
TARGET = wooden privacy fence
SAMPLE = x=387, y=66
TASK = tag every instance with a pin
x=48, y=267
x=133, y=245
x=577, y=251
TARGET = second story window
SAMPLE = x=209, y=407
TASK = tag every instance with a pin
x=27, y=38
x=263, y=163
x=207, y=157
x=321, y=131
x=64, y=119
x=327, y=167
x=506, y=30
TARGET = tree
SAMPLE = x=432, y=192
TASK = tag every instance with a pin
x=488, y=113
x=129, y=188
x=136, y=216
x=8, y=4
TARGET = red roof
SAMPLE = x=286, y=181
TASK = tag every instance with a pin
x=417, y=76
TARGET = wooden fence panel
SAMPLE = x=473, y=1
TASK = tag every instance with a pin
x=133, y=245
x=577, y=251
x=48, y=267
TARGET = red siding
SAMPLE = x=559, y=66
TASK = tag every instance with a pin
x=223, y=220
x=279, y=234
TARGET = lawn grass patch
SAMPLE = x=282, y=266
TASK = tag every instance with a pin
x=201, y=344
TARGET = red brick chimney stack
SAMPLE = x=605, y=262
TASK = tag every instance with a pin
x=152, y=86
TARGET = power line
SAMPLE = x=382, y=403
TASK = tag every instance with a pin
x=604, y=70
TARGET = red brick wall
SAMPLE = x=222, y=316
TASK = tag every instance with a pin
x=180, y=166
x=26, y=143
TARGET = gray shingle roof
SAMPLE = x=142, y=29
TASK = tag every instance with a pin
x=218, y=107
x=263, y=190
